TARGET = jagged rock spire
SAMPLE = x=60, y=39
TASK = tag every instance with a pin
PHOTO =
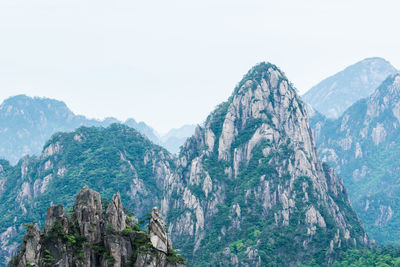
x=115, y=213
x=158, y=235
x=55, y=213
x=31, y=247
x=88, y=212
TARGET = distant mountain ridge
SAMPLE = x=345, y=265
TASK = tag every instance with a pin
x=363, y=146
x=176, y=137
x=332, y=96
x=26, y=123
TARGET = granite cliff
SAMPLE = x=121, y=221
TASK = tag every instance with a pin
x=249, y=189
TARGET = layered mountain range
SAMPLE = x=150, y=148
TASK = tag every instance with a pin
x=247, y=189
x=26, y=124
x=332, y=96
x=363, y=145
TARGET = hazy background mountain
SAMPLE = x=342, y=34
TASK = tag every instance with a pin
x=175, y=138
x=363, y=145
x=26, y=123
x=335, y=94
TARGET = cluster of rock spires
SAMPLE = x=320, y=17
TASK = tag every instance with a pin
x=93, y=237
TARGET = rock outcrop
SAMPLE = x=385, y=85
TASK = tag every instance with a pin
x=158, y=236
x=250, y=189
x=94, y=237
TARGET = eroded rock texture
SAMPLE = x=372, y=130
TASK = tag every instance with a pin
x=250, y=189
x=94, y=237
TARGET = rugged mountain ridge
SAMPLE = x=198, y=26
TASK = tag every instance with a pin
x=96, y=236
x=363, y=145
x=332, y=96
x=111, y=159
x=249, y=188
x=27, y=123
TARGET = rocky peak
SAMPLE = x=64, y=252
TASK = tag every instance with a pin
x=69, y=242
x=32, y=246
x=88, y=213
x=387, y=95
x=55, y=213
x=115, y=214
x=254, y=162
x=158, y=235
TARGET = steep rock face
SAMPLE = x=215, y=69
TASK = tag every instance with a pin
x=334, y=95
x=250, y=190
x=87, y=212
x=68, y=243
x=363, y=145
x=158, y=236
x=31, y=246
x=110, y=159
x=115, y=213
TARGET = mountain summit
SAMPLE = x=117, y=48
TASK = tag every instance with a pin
x=334, y=95
x=250, y=189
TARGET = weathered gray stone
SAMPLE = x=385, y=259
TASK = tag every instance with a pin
x=115, y=214
x=55, y=213
x=30, y=247
x=158, y=236
x=88, y=212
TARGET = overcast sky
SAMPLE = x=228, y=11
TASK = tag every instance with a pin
x=170, y=62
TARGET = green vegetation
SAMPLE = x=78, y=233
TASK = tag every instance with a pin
x=105, y=159
x=386, y=256
x=371, y=177
x=71, y=243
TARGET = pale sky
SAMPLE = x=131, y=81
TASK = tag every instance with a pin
x=169, y=63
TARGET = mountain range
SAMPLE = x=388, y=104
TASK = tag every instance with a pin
x=26, y=123
x=332, y=96
x=247, y=188
x=363, y=145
